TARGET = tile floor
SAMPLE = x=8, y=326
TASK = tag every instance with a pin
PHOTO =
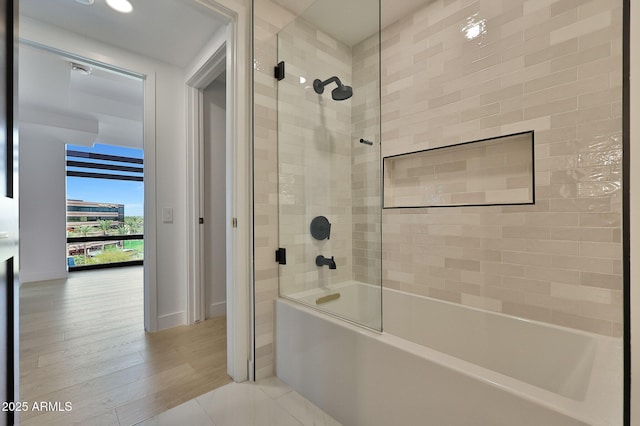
x=269, y=402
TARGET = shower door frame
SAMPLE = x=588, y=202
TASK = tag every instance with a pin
x=631, y=204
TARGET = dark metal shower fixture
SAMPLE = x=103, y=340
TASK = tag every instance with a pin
x=340, y=93
x=320, y=228
x=325, y=261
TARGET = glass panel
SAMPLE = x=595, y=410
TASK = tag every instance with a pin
x=329, y=160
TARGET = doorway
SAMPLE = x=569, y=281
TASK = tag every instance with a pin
x=213, y=196
x=91, y=46
x=165, y=169
x=163, y=191
x=220, y=61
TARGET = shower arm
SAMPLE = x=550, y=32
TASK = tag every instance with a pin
x=318, y=85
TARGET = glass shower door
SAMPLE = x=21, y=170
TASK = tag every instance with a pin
x=329, y=162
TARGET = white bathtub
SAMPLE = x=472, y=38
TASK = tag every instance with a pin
x=461, y=366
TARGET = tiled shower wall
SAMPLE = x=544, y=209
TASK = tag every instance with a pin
x=314, y=149
x=324, y=168
x=549, y=66
x=360, y=184
x=457, y=71
x=365, y=162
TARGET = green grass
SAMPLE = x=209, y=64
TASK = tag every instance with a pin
x=134, y=245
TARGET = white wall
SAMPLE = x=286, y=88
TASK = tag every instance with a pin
x=215, y=195
x=169, y=161
x=42, y=207
x=634, y=188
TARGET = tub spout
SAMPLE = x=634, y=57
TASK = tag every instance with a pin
x=322, y=261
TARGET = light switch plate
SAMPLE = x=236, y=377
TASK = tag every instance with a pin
x=167, y=214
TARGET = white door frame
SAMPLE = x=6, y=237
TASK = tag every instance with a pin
x=209, y=71
x=63, y=48
x=223, y=54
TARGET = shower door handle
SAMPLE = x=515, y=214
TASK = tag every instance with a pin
x=281, y=256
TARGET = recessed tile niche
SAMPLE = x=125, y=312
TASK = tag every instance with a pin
x=496, y=171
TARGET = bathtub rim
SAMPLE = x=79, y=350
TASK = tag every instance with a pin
x=382, y=288
x=582, y=410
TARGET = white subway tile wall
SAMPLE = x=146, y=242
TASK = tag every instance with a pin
x=366, y=201
x=323, y=167
x=460, y=70
x=314, y=151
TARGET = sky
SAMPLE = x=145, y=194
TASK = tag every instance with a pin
x=128, y=193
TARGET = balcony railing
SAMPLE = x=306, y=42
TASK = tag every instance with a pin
x=100, y=251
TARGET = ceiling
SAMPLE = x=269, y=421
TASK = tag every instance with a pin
x=105, y=106
x=172, y=31
x=352, y=21
x=102, y=107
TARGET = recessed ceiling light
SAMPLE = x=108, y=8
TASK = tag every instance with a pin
x=85, y=2
x=122, y=6
x=82, y=69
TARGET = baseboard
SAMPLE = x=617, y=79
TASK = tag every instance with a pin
x=34, y=276
x=218, y=309
x=172, y=320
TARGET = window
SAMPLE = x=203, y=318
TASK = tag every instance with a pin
x=104, y=206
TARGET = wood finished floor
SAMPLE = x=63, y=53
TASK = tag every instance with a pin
x=82, y=340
